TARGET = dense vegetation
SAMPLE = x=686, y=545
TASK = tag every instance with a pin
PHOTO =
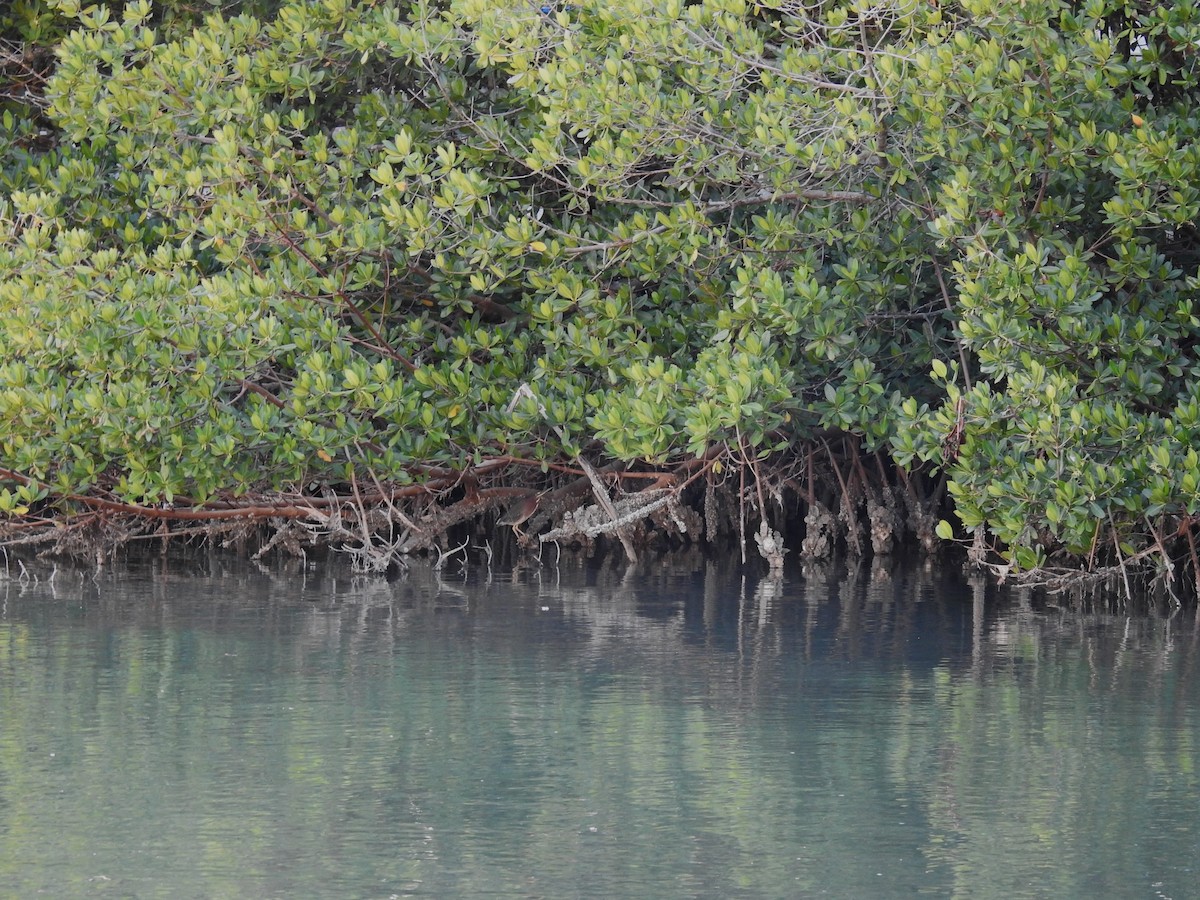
x=379, y=268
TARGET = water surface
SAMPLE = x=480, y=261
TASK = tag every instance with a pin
x=217, y=731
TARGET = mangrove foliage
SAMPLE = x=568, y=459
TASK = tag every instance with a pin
x=680, y=270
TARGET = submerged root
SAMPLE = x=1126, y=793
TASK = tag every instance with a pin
x=590, y=522
x=852, y=526
x=820, y=533
x=678, y=520
x=770, y=546
x=379, y=526
x=922, y=522
x=883, y=520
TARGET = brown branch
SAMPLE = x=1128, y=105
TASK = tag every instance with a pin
x=962, y=353
x=262, y=392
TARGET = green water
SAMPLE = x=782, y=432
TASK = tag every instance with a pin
x=671, y=732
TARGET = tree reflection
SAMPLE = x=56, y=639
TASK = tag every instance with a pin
x=681, y=731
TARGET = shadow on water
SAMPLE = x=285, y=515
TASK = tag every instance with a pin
x=205, y=728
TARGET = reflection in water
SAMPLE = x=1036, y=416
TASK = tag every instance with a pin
x=671, y=731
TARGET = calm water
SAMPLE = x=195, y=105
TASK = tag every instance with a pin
x=680, y=732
